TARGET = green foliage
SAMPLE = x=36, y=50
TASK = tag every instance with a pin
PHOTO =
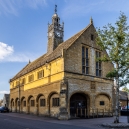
x=125, y=89
x=115, y=40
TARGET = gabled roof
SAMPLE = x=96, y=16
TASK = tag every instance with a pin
x=47, y=58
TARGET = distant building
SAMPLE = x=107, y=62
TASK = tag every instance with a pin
x=1, y=102
x=123, y=98
x=6, y=100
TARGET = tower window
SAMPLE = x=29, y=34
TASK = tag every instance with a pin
x=92, y=37
x=85, y=61
x=98, y=64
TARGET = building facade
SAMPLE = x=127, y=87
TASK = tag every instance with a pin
x=123, y=98
x=67, y=80
x=6, y=100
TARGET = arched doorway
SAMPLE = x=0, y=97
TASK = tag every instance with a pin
x=41, y=104
x=12, y=105
x=31, y=105
x=54, y=104
x=23, y=105
x=17, y=104
x=79, y=104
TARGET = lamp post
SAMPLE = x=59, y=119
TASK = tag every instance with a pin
x=19, y=95
x=127, y=110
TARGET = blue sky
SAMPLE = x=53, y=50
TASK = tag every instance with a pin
x=23, y=27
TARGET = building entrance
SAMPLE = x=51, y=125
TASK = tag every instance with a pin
x=78, y=105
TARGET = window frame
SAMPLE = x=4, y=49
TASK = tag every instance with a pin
x=31, y=78
x=32, y=103
x=101, y=103
x=98, y=64
x=55, y=102
x=85, y=60
x=24, y=103
x=92, y=37
x=42, y=102
x=40, y=74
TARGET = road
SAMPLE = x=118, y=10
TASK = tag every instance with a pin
x=24, y=121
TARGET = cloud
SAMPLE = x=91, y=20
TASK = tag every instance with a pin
x=4, y=92
x=7, y=54
x=83, y=7
x=13, y=6
x=5, y=50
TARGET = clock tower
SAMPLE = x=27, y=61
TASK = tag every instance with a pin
x=55, y=32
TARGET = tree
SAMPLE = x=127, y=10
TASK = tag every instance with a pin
x=125, y=89
x=115, y=40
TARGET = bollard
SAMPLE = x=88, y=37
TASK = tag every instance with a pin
x=97, y=112
x=85, y=112
x=81, y=111
x=77, y=111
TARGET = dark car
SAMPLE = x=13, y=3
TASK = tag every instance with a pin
x=4, y=109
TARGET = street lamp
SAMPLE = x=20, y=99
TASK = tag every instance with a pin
x=127, y=109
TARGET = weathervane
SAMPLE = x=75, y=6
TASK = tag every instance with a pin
x=55, y=9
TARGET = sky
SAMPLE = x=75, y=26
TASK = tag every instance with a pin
x=24, y=24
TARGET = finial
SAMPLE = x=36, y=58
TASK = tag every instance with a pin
x=91, y=20
x=29, y=61
x=55, y=9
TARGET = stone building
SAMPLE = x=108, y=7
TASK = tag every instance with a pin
x=123, y=98
x=67, y=80
x=6, y=99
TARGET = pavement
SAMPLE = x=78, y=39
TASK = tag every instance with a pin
x=24, y=121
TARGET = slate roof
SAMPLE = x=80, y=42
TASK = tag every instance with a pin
x=47, y=58
x=123, y=95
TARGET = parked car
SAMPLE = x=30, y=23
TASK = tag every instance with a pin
x=4, y=109
x=125, y=108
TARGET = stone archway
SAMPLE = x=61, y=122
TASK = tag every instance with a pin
x=54, y=104
x=17, y=104
x=12, y=105
x=23, y=105
x=79, y=104
x=40, y=104
x=31, y=105
x=103, y=102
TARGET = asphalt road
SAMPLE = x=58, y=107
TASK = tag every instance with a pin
x=12, y=122
x=25, y=121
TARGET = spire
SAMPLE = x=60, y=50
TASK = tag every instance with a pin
x=29, y=61
x=55, y=9
x=91, y=20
